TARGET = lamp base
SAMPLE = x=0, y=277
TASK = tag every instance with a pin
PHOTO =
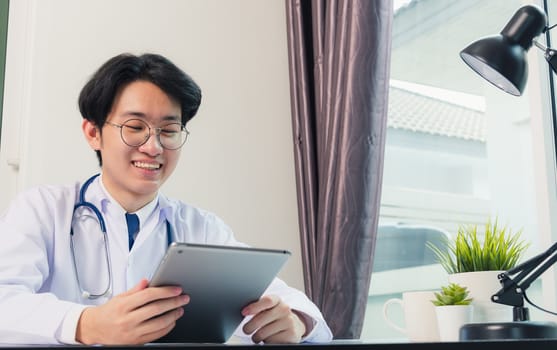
x=508, y=330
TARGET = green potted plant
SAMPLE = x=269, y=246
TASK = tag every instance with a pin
x=498, y=250
x=474, y=259
x=453, y=309
x=452, y=294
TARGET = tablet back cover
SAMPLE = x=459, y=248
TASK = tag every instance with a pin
x=220, y=281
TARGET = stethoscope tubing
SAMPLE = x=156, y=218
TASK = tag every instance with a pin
x=83, y=203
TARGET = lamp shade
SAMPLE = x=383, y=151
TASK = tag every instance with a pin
x=501, y=59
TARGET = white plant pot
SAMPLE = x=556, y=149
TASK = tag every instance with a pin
x=450, y=318
x=482, y=285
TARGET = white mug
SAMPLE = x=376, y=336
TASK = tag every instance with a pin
x=420, y=320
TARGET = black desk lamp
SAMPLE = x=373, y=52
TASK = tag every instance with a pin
x=514, y=282
x=501, y=60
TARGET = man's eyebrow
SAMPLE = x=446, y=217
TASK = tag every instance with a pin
x=173, y=118
x=135, y=114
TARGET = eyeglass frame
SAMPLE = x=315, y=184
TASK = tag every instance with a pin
x=157, y=133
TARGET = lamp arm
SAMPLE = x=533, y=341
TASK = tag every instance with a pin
x=533, y=261
x=539, y=45
x=513, y=288
x=549, y=54
x=551, y=58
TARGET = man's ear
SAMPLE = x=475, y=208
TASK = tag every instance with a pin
x=92, y=134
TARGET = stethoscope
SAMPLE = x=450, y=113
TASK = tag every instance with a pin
x=83, y=203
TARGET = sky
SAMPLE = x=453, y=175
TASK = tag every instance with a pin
x=399, y=3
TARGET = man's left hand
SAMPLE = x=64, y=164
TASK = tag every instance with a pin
x=273, y=322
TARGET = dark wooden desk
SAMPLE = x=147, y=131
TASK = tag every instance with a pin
x=537, y=344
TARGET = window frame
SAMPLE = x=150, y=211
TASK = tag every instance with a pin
x=542, y=97
x=4, y=10
x=541, y=85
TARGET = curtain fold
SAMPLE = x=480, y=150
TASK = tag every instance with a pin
x=339, y=57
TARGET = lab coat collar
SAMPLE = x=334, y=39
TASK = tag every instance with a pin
x=166, y=208
x=105, y=200
x=101, y=198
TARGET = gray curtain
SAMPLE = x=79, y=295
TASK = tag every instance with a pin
x=339, y=56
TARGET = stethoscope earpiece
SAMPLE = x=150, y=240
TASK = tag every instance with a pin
x=85, y=294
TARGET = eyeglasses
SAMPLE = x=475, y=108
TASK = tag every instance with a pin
x=136, y=132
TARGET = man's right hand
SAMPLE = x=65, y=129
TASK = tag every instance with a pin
x=138, y=316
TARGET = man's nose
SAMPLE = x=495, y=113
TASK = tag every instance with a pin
x=153, y=145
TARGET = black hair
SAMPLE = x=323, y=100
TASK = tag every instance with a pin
x=97, y=96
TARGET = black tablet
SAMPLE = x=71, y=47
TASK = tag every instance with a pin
x=220, y=281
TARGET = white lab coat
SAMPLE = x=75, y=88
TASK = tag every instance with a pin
x=38, y=286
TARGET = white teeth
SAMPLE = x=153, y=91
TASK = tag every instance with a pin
x=146, y=165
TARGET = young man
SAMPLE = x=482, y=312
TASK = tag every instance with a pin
x=72, y=271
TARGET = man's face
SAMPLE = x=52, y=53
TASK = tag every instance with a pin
x=133, y=175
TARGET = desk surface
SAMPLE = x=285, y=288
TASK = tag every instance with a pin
x=537, y=344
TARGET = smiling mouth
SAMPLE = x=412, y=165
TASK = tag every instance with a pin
x=149, y=166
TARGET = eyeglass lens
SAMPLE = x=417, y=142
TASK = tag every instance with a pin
x=136, y=132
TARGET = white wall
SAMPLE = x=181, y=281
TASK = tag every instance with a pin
x=238, y=161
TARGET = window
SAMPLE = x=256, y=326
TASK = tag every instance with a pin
x=458, y=150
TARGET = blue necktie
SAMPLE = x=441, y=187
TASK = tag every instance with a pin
x=133, y=227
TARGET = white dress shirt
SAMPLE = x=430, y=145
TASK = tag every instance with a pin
x=40, y=298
